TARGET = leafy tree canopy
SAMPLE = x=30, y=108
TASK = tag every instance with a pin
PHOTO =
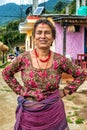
x=11, y=34
x=59, y=6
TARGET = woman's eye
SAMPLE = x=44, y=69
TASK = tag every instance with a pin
x=47, y=32
x=38, y=32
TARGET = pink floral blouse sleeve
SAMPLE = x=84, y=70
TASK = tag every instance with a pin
x=14, y=67
x=78, y=74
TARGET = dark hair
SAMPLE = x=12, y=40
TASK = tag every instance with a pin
x=46, y=22
x=17, y=48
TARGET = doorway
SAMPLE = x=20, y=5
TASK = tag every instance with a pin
x=85, y=44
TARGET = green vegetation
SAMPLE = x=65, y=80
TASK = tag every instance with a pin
x=79, y=121
x=4, y=65
x=74, y=118
x=71, y=97
x=75, y=108
x=7, y=90
x=11, y=35
x=59, y=7
x=69, y=120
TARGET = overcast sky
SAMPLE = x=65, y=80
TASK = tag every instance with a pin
x=19, y=1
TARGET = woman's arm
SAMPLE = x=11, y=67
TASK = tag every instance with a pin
x=8, y=74
x=78, y=74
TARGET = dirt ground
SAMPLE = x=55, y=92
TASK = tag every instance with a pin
x=75, y=106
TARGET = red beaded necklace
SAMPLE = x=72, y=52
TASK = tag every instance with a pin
x=47, y=59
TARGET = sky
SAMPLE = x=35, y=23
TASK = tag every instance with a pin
x=19, y=1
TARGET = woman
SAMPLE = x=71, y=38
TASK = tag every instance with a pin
x=40, y=105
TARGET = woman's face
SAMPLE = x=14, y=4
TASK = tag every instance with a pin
x=43, y=36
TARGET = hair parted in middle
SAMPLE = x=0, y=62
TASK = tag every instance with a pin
x=44, y=21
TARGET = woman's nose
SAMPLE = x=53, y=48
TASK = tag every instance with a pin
x=43, y=34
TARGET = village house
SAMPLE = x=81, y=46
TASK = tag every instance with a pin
x=71, y=33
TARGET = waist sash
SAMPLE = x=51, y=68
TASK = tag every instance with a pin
x=48, y=114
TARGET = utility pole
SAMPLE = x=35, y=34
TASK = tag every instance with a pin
x=21, y=10
x=35, y=4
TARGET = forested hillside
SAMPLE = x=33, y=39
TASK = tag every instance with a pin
x=12, y=11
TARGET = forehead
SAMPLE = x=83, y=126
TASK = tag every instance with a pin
x=43, y=26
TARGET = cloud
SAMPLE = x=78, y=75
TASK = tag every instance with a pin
x=19, y=1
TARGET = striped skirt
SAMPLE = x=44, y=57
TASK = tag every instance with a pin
x=48, y=114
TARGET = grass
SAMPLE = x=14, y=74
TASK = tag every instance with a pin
x=4, y=65
x=69, y=120
x=7, y=90
x=71, y=98
x=75, y=108
x=73, y=117
x=79, y=121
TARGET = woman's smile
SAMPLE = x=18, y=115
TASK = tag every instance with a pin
x=43, y=36
x=43, y=41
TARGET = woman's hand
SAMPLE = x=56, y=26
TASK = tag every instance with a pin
x=63, y=92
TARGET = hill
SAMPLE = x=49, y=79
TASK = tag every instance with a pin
x=12, y=11
x=49, y=5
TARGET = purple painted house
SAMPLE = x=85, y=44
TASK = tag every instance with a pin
x=71, y=34
x=74, y=41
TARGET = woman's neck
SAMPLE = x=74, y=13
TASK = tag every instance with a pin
x=42, y=53
x=43, y=56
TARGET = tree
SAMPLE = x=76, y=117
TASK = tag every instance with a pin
x=59, y=6
x=73, y=7
x=12, y=35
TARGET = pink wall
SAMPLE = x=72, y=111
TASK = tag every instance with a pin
x=74, y=41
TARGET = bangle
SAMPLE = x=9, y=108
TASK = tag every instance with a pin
x=64, y=92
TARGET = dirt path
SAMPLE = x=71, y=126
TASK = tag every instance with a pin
x=75, y=105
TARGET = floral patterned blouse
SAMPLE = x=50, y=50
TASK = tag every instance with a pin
x=40, y=83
